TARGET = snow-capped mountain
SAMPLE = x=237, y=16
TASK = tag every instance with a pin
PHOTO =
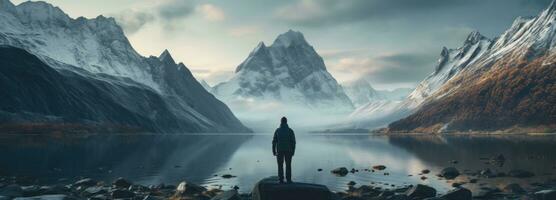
x=96, y=45
x=288, y=71
x=360, y=92
x=97, y=50
x=450, y=64
x=508, y=84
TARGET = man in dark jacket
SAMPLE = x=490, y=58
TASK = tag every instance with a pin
x=283, y=147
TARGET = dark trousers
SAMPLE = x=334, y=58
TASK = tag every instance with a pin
x=287, y=156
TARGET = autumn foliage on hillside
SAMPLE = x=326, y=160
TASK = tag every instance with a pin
x=506, y=96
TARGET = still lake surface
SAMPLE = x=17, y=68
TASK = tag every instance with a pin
x=202, y=159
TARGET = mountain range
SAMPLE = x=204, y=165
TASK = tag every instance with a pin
x=83, y=74
x=361, y=92
x=94, y=78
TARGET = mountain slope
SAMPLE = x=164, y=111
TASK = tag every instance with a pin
x=33, y=91
x=519, y=95
x=451, y=63
x=511, y=85
x=98, y=49
x=288, y=71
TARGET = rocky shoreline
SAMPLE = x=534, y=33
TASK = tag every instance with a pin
x=21, y=188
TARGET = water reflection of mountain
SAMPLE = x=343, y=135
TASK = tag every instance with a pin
x=146, y=158
x=521, y=152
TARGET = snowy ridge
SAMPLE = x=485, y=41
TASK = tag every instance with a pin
x=97, y=49
x=288, y=71
x=528, y=38
x=450, y=64
x=97, y=45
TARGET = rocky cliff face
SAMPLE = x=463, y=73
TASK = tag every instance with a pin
x=509, y=85
x=97, y=49
x=288, y=71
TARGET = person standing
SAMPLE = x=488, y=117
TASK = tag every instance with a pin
x=283, y=147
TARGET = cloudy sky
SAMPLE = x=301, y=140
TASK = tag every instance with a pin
x=393, y=43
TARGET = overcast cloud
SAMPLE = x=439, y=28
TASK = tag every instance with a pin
x=390, y=42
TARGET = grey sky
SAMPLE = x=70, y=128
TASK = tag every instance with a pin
x=395, y=43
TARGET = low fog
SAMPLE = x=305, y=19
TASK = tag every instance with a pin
x=264, y=116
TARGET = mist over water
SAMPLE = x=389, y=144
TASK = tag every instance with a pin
x=264, y=116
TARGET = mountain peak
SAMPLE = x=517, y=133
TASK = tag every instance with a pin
x=110, y=20
x=290, y=38
x=42, y=11
x=166, y=57
x=260, y=46
x=474, y=37
x=552, y=7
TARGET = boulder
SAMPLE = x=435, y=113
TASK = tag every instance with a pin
x=46, y=197
x=122, y=194
x=11, y=191
x=364, y=191
x=353, y=198
x=386, y=194
x=121, y=183
x=185, y=188
x=519, y=173
x=32, y=190
x=98, y=197
x=227, y=195
x=514, y=188
x=228, y=176
x=379, y=167
x=270, y=189
x=485, y=193
x=351, y=183
x=341, y=171
x=138, y=188
x=449, y=173
x=94, y=190
x=54, y=189
x=498, y=160
x=458, y=194
x=151, y=197
x=397, y=197
x=86, y=182
x=486, y=173
x=420, y=191
x=545, y=194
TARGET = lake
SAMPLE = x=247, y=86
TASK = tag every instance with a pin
x=203, y=159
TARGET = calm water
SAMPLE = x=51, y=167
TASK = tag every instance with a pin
x=169, y=159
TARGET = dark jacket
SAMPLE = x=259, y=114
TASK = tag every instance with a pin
x=284, y=140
